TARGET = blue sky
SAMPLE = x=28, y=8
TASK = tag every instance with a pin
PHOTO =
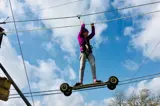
x=52, y=55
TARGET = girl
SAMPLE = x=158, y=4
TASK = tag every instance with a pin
x=86, y=53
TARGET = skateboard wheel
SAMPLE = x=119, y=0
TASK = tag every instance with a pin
x=68, y=92
x=64, y=87
x=113, y=80
x=111, y=86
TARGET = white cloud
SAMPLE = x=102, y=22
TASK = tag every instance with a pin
x=109, y=101
x=67, y=58
x=18, y=102
x=105, y=40
x=67, y=37
x=47, y=75
x=69, y=73
x=130, y=65
x=152, y=85
x=72, y=74
x=2, y=5
x=13, y=63
x=6, y=11
x=93, y=103
x=13, y=102
x=37, y=103
x=47, y=72
x=128, y=31
x=146, y=39
x=149, y=38
x=75, y=99
x=128, y=3
x=105, y=102
x=98, y=37
x=117, y=38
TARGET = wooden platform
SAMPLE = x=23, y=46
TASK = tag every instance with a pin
x=89, y=85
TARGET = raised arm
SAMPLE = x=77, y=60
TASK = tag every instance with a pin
x=82, y=29
x=93, y=31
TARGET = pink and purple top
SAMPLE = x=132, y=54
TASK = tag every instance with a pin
x=82, y=40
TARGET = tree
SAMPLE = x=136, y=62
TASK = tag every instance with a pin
x=119, y=99
x=143, y=97
x=154, y=100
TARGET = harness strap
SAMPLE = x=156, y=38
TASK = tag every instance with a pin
x=84, y=48
x=85, y=51
x=87, y=54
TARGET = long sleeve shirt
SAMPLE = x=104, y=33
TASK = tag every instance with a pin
x=85, y=40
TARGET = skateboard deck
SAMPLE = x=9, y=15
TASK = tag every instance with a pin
x=89, y=85
x=66, y=89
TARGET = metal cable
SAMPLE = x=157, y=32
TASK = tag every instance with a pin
x=101, y=22
x=44, y=19
x=93, y=88
x=21, y=50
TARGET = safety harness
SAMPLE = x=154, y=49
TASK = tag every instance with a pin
x=87, y=48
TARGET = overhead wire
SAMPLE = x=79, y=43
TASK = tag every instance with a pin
x=75, y=16
x=142, y=63
x=45, y=91
x=120, y=82
x=100, y=22
x=53, y=6
x=151, y=75
x=140, y=5
x=139, y=69
x=93, y=88
x=108, y=20
x=6, y=5
x=48, y=7
x=21, y=50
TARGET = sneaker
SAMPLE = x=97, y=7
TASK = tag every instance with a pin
x=78, y=84
x=97, y=81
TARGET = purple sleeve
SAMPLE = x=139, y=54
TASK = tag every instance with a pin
x=93, y=33
x=81, y=30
